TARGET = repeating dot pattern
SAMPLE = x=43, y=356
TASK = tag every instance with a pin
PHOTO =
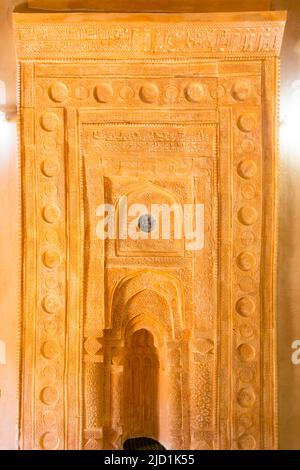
x=51, y=261
x=150, y=93
x=145, y=92
x=246, y=304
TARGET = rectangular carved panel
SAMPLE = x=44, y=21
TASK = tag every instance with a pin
x=178, y=112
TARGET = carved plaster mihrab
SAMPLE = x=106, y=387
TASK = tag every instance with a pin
x=125, y=338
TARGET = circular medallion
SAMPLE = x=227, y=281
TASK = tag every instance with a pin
x=51, y=281
x=246, y=442
x=246, y=284
x=241, y=90
x=247, y=123
x=245, y=421
x=49, y=418
x=49, y=372
x=51, y=303
x=126, y=92
x=194, y=92
x=51, y=259
x=104, y=92
x=247, y=168
x=248, y=238
x=247, y=215
x=51, y=236
x=149, y=93
x=50, y=349
x=245, y=306
x=81, y=92
x=49, y=121
x=50, y=327
x=246, y=352
x=51, y=213
x=50, y=167
x=58, y=92
x=50, y=441
x=246, y=397
x=49, y=189
x=171, y=93
x=249, y=191
x=246, y=330
x=246, y=374
x=49, y=395
x=247, y=145
x=246, y=261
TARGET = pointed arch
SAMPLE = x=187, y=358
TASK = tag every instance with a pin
x=162, y=284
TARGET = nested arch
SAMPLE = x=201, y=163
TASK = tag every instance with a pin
x=163, y=207
x=148, y=294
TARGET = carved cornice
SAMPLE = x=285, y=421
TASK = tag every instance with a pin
x=94, y=36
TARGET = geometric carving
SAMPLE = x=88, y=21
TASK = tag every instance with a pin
x=51, y=213
x=171, y=93
x=58, y=92
x=52, y=237
x=246, y=374
x=51, y=258
x=49, y=418
x=50, y=167
x=104, y=92
x=246, y=330
x=81, y=92
x=234, y=38
x=246, y=352
x=49, y=395
x=248, y=238
x=50, y=327
x=49, y=121
x=194, y=92
x=49, y=372
x=50, y=349
x=246, y=261
x=128, y=337
x=149, y=93
x=92, y=345
x=247, y=169
x=247, y=442
x=249, y=191
x=247, y=146
x=247, y=215
x=126, y=92
x=49, y=189
x=204, y=346
x=246, y=397
x=50, y=441
x=246, y=284
x=51, y=303
x=245, y=306
x=91, y=444
x=245, y=421
x=247, y=123
x=241, y=90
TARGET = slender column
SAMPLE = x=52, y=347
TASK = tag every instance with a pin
x=93, y=395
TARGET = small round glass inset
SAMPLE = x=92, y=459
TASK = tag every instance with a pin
x=146, y=223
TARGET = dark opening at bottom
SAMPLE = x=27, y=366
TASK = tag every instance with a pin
x=142, y=443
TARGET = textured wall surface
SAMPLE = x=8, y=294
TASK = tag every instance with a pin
x=289, y=235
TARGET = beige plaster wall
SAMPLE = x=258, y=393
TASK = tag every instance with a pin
x=288, y=249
